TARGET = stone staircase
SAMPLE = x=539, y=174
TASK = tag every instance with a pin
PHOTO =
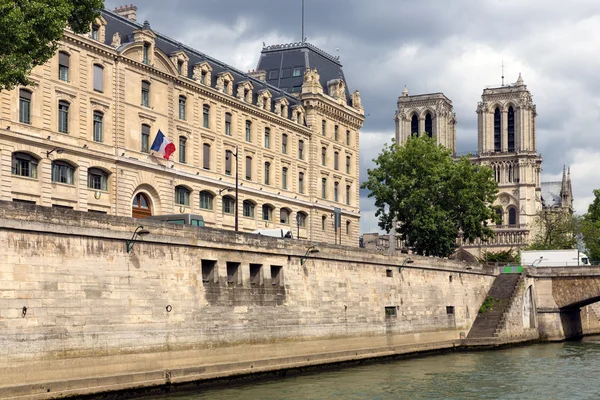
x=488, y=324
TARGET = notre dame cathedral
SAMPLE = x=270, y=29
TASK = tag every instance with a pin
x=506, y=136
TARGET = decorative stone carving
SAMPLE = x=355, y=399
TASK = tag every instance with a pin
x=220, y=86
x=240, y=92
x=197, y=73
x=260, y=102
x=515, y=192
x=311, y=76
x=504, y=199
x=356, y=102
x=116, y=40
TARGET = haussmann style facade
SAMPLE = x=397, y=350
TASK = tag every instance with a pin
x=80, y=137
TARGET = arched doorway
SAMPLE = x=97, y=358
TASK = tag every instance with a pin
x=141, y=206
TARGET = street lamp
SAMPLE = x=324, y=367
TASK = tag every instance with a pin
x=227, y=155
x=407, y=260
x=535, y=262
x=58, y=150
x=225, y=190
x=139, y=231
x=311, y=249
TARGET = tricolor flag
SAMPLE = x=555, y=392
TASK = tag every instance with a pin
x=163, y=146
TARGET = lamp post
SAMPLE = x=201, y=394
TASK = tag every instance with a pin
x=535, y=262
x=311, y=249
x=139, y=231
x=58, y=150
x=407, y=260
x=236, y=183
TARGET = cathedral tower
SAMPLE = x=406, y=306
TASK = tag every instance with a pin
x=431, y=114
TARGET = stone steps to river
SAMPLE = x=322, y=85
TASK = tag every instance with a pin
x=488, y=323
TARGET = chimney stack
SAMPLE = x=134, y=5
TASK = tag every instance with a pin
x=127, y=11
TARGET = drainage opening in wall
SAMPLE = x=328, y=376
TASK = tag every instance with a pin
x=390, y=312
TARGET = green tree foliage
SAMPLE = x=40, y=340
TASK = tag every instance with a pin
x=590, y=229
x=433, y=197
x=503, y=256
x=556, y=230
x=30, y=31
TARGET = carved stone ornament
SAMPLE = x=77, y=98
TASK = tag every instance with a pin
x=504, y=199
x=260, y=102
x=220, y=83
x=356, y=102
x=116, y=40
x=197, y=73
x=295, y=116
x=515, y=192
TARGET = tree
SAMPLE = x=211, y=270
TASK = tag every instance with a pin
x=590, y=229
x=31, y=30
x=433, y=198
x=556, y=230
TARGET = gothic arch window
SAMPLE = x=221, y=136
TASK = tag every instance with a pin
x=428, y=125
x=511, y=129
x=414, y=125
x=497, y=130
x=512, y=216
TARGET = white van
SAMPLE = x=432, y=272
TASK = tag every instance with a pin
x=278, y=233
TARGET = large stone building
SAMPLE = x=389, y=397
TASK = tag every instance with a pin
x=81, y=136
x=506, y=143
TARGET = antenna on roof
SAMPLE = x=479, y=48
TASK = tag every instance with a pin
x=303, y=38
x=502, y=72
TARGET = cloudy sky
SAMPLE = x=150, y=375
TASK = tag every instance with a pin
x=455, y=47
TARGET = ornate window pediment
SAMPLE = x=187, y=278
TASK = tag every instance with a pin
x=244, y=91
x=298, y=113
x=98, y=29
x=180, y=60
x=225, y=82
x=202, y=73
x=337, y=89
x=281, y=107
x=264, y=99
x=147, y=38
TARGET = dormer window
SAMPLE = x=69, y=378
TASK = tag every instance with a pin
x=203, y=77
x=146, y=53
x=179, y=67
x=95, y=34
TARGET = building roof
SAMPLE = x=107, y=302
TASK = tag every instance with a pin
x=279, y=62
x=551, y=194
x=125, y=27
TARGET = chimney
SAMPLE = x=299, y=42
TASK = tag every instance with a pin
x=127, y=11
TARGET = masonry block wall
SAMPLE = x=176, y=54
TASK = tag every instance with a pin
x=75, y=305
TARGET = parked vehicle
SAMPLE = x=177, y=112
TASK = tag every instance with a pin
x=180, y=219
x=278, y=233
x=554, y=258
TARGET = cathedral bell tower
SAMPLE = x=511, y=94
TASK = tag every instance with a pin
x=506, y=143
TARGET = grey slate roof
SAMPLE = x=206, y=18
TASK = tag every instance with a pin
x=551, y=194
x=284, y=58
x=125, y=27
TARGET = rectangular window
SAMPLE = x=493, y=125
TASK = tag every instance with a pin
x=63, y=173
x=336, y=161
x=389, y=273
x=248, y=209
x=286, y=73
x=95, y=32
x=182, y=149
x=249, y=168
x=336, y=190
x=208, y=271
x=203, y=77
x=284, y=171
x=97, y=179
x=206, y=156
x=450, y=310
x=182, y=107
x=348, y=164
x=276, y=275
x=348, y=195
x=324, y=188
x=98, y=78
x=323, y=156
x=63, y=66
x=145, y=94
x=248, y=131
x=267, y=138
x=347, y=138
x=145, y=138
x=301, y=150
x=25, y=106
x=256, y=277
x=267, y=173
x=228, y=162
x=323, y=127
x=390, y=312
x=297, y=71
x=336, y=131
x=233, y=273
x=98, y=117
x=284, y=143
x=146, y=53
x=63, y=117
x=274, y=74
x=179, y=67
x=228, y=124
x=301, y=182
x=228, y=205
x=206, y=116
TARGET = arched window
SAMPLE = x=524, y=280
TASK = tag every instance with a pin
x=63, y=116
x=97, y=179
x=500, y=215
x=228, y=205
x=141, y=206
x=63, y=66
x=145, y=138
x=24, y=164
x=63, y=172
x=302, y=219
x=182, y=107
x=206, y=200
x=206, y=156
x=267, y=212
x=228, y=124
x=512, y=216
x=145, y=93
x=24, y=106
x=182, y=149
x=511, y=129
x=428, y=125
x=98, y=126
x=414, y=125
x=248, y=209
x=267, y=173
x=323, y=222
x=300, y=182
x=182, y=196
x=248, y=131
x=497, y=130
x=284, y=216
x=206, y=116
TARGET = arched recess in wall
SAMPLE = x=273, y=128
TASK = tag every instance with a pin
x=513, y=218
x=528, y=309
x=145, y=202
x=429, y=124
x=414, y=125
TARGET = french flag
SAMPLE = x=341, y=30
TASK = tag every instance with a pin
x=163, y=146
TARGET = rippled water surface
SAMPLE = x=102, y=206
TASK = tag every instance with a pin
x=545, y=371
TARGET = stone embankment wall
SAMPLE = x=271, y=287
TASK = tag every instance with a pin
x=78, y=314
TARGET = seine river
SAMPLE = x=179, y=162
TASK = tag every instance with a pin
x=542, y=371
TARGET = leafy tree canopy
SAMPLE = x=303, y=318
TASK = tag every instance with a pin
x=31, y=29
x=433, y=197
x=590, y=229
x=556, y=230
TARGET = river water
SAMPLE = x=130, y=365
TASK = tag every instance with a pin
x=542, y=371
